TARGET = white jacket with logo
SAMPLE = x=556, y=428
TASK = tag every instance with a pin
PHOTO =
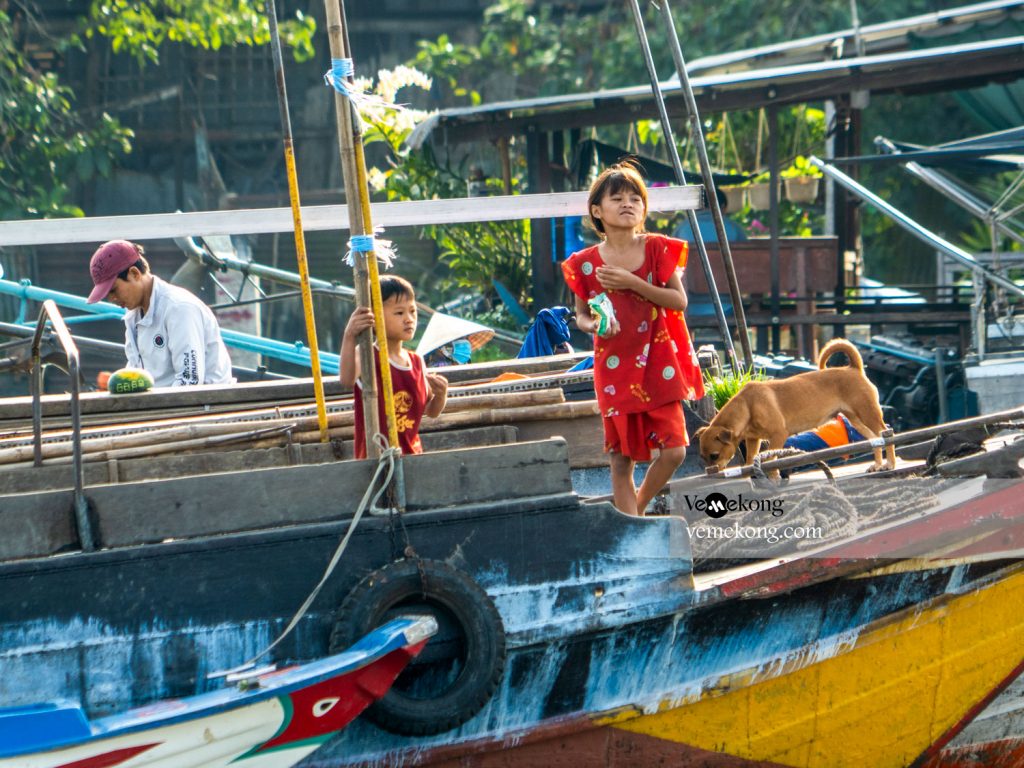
x=178, y=341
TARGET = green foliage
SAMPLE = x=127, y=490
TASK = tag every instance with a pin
x=801, y=166
x=141, y=28
x=475, y=254
x=43, y=146
x=722, y=388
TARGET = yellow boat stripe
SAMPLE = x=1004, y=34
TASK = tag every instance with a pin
x=879, y=701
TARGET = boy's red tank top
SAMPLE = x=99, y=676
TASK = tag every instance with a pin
x=411, y=394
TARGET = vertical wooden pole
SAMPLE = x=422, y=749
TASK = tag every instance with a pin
x=296, y=203
x=361, y=280
x=367, y=282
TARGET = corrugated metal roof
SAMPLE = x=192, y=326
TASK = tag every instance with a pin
x=941, y=68
x=876, y=38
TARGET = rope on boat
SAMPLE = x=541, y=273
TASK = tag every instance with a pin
x=839, y=512
x=368, y=502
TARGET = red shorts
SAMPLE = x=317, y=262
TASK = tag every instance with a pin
x=635, y=434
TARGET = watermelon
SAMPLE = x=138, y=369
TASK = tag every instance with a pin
x=128, y=380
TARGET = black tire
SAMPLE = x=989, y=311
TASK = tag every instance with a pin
x=459, y=669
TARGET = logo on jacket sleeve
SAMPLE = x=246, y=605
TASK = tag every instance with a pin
x=158, y=341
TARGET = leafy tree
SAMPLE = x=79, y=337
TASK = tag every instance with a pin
x=475, y=254
x=43, y=145
x=141, y=28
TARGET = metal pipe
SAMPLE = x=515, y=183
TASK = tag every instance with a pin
x=705, y=261
x=940, y=384
x=300, y=239
x=951, y=190
x=295, y=353
x=81, y=510
x=282, y=276
x=697, y=134
x=773, y=221
x=916, y=229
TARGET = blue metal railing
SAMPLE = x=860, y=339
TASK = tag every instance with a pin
x=296, y=353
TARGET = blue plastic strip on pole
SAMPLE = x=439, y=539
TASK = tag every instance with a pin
x=296, y=353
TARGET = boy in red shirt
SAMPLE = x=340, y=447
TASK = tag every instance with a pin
x=416, y=392
x=644, y=363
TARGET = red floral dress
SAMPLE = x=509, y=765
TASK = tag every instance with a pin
x=651, y=360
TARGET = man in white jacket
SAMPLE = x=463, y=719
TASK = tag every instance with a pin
x=168, y=331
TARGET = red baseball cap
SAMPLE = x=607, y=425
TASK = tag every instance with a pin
x=107, y=263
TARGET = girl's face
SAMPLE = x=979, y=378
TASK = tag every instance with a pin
x=623, y=209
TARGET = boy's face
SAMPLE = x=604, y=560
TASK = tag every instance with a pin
x=400, y=317
x=128, y=292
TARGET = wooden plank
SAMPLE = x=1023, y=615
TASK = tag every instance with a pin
x=52, y=478
x=320, y=217
x=752, y=259
x=584, y=436
x=27, y=531
x=199, y=398
x=152, y=511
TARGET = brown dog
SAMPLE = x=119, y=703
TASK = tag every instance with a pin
x=774, y=410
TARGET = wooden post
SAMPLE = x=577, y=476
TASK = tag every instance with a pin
x=367, y=292
x=773, y=218
x=296, y=204
x=539, y=177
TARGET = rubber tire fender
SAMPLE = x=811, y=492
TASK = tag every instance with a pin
x=460, y=606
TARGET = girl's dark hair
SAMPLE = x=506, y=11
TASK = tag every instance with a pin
x=395, y=286
x=613, y=179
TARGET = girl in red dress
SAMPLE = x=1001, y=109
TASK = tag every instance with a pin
x=644, y=363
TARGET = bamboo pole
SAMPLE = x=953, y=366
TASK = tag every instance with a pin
x=490, y=416
x=138, y=437
x=360, y=223
x=300, y=239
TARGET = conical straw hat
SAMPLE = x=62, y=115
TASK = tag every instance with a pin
x=444, y=329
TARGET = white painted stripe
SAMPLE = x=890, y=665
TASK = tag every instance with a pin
x=320, y=217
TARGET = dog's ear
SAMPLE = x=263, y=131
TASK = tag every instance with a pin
x=699, y=432
x=726, y=435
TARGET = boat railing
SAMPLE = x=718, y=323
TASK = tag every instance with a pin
x=49, y=312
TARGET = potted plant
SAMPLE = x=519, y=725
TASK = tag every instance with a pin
x=735, y=197
x=759, y=192
x=801, y=180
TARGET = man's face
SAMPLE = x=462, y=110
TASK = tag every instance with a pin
x=128, y=292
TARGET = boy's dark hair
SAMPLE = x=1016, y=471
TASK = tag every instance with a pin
x=613, y=179
x=140, y=264
x=392, y=286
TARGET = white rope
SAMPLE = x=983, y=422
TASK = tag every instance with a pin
x=369, y=501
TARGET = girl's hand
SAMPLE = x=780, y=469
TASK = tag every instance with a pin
x=359, y=321
x=615, y=278
x=613, y=328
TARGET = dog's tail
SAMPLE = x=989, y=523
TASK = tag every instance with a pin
x=840, y=345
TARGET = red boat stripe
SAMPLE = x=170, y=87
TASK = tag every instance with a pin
x=927, y=756
x=107, y=759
